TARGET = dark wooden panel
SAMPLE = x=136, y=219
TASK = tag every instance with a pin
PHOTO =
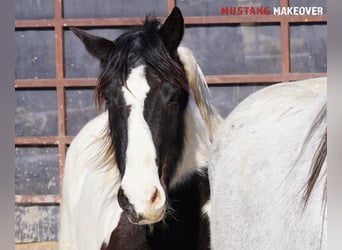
x=308, y=48
x=35, y=55
x=109, y=8
x=245, y=49
x=35, y=113
x=225, y=97
x=34, y=9
x=36, y=170
x=80, y=108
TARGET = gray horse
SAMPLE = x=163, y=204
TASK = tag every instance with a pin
x=267, y=171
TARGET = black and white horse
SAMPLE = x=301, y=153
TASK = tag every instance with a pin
x=136, y=176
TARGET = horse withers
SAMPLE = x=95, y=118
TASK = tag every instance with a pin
x=136, y=176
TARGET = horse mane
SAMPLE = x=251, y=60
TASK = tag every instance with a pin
x=318, y=158
x=200, y=89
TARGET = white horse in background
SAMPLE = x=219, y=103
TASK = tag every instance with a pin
x=267, y=171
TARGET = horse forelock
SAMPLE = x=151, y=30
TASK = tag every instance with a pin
x=200, y=90
x=139, y=45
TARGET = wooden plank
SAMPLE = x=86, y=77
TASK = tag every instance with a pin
x=37, y=246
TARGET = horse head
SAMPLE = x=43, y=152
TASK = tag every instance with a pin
x=144, y=86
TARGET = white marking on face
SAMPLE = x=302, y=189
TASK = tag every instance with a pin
x=141, y=177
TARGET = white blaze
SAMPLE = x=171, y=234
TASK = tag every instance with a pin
x=141, y=174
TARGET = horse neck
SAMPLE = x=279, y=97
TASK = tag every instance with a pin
x=200, y=123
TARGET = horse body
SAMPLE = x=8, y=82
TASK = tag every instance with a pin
x=136, y=176
x=260, y=168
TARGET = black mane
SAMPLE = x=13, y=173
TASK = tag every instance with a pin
x=140, y=45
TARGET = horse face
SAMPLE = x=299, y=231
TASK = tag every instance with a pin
x=145, y=89
x=154, y=141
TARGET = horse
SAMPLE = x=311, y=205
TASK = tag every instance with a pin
x=135, y=176
x=268, y=170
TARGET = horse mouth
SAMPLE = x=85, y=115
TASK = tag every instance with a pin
x=151, y=218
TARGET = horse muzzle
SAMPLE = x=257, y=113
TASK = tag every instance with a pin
x=150, y=217
x=150, y=212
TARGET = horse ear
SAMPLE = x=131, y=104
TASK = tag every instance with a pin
x=172, y=30
x=98, y=47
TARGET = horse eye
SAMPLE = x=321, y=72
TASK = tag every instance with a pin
x=173, y=101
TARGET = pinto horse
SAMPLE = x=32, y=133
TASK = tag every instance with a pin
x=267, y=171
x=135, y=176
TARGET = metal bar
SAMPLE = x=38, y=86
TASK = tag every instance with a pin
x=51, y=140
x=302, y=76
x=35, y=83
x=211, y=79
x=53, y=83
x=61, y=113
x=204, y=20
x=62, y=154
x=258, y=79
x=285, y=45
x=103, y=22
x=190, y=20
x=80, y=82
x=241, y=79
x=170, y=5
x=37, y=199
x=46, y=140
x=285, y=51
x=41, y=23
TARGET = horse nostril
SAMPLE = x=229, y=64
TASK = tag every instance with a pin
x=155, y=196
